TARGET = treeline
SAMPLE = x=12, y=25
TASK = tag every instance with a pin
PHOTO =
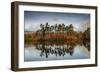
x=58, y=33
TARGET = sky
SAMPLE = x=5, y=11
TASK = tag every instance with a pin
x=33, y=19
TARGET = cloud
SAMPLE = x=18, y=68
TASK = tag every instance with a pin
x=55, y=18
x=31, y=27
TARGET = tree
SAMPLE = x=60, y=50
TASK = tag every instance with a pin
x=55, y=27
x=43, y=31
x=51, y=28
x=71, y=27
x=42, y=26
x=59, y=27
x=66, y=28
x=47, y=27
x=63, y=27
x=86, y=38
x=86, y=34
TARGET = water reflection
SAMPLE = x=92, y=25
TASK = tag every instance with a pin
x=51, y=51
x=57, y=50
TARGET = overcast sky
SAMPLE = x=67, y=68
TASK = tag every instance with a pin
x=33, y=19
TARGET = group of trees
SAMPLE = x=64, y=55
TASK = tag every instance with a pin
x=58, y=33
x=46, y=28
x=61, y=32
x=55, y=32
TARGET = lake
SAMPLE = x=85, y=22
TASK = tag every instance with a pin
x=45, y=52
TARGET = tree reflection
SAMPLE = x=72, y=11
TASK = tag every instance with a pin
x=57, y=50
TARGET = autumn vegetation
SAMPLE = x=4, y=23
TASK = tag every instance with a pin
x=57, y=34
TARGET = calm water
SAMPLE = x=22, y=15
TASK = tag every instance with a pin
x=43, y=52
